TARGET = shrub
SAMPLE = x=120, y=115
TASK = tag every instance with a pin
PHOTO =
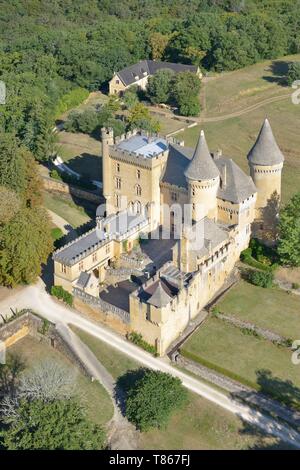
x=137, y=339
x=152, y=398
x=56, y=233
x=60, y=293
x=295, y=285
x=55, y=175
x=261, y=279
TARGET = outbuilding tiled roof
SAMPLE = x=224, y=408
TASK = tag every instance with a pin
x=129, y=75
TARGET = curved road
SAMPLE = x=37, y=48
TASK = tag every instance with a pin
x=36, y=298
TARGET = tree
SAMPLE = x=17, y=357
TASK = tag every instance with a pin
x=59, y=424
x=158, y=43
x=9, y=204
x=140, y=118
x=293, y=72
x=130, y=97
x=159, y=88
x=186, y=90
x=48, y=381
x=152, y=399
x=12, y=165
x=289, y=233
x=25, y=243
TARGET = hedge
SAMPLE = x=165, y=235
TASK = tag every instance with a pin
x=60, y=293
x=232, y=375
x=137, y=339
x=219, y=369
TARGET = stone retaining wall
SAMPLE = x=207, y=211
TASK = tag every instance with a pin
x=51, y=184
x=29, y=324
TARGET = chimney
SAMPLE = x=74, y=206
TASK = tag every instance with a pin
x=224, y=177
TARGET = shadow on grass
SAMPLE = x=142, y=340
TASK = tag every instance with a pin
x=279, y=69
x=88, y=165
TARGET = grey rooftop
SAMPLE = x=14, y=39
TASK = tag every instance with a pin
x=265, y=151
x=132, y=73
x=202, y=166
x=144, y=145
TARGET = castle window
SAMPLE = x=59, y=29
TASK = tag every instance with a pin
x=118, y=183
x=138, y=190
x=117, y=81
x=94, y=257
x=63, y=268
x=80, y=266
x=107, y=249
x=174, y=196
x=118, y=167
x=138, y=174
x=118, y=200
x=193, y=191
x=148, y=312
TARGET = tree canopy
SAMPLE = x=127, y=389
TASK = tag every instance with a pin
x=289, y=233
x=151, y=397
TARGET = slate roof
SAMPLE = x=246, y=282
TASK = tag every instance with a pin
x=178, y=160
x=159, y=293
x=90, y=241
x=214, y=234
x=238, y=186
x=235, y=185
x=83, y=280
x=149, y=67
x=265, y=151
x=202, y=166
x=159, y=298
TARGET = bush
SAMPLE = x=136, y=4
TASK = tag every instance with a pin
x=55, y=175
x=152, y=398
x=295, y=285
x=60, y=293
x=70, y=100
x=261, y=279
x=137, y=339
x=56, y=233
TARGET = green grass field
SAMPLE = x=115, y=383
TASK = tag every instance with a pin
x=92, y=395
x=273, y=309
x=75, y=215
x=236, y=136
x=199, y=425
x=82, y=153
x=234, y=91
x=253, y=359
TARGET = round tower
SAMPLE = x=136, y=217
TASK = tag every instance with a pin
x=107, y=138
x=266, y=161
x=203, y=182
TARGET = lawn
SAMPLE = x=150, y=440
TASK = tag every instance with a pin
x=199, y=425
x=236, y=136
x=82, y=153
x=92, y=395
x=274, y=309
x=233, y=91
x=258, y=361
x=74, y=214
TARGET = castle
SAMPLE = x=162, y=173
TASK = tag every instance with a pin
x=150, y=185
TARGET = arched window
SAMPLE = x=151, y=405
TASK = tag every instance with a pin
x=138, y=190
x=138, y=207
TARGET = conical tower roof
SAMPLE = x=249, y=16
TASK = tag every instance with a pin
x=202, y=166
x=159, y=298
x=265, y=151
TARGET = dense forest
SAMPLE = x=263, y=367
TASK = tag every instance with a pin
x=51, y=51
